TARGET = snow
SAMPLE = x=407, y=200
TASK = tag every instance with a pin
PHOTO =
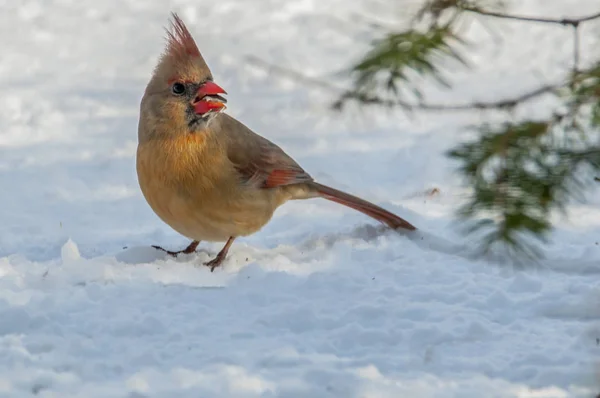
x=322, y=302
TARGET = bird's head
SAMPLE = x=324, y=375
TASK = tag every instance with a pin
x=182, y=92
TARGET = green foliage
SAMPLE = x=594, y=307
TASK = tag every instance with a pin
x=396, y=55
x=519, y=171
x=522, y=171
x=395, y=59
x=586, y=92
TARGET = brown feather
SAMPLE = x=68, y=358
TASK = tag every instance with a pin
x=259, y=162
x=367, y=208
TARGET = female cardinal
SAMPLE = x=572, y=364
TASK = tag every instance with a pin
x=203, y=172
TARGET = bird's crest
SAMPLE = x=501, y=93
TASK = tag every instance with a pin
x=181, y=58
x=181, y=44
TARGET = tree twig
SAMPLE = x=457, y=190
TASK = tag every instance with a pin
x=506, y=103
x=575, y=49
x=562, y=21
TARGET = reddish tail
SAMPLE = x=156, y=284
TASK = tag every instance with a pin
x=371, y=210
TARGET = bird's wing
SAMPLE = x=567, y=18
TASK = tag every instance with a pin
x=259, y=162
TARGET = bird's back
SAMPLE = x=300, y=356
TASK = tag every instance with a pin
x=245, y=147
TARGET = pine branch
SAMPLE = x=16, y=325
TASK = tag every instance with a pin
x=506, y=103
x=396, y=57
x=381, y=61
x=435, y=9
x=369, y=99
x=519, y=173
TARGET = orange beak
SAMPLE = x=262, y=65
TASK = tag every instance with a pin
x=210, y=88
x=208, y=98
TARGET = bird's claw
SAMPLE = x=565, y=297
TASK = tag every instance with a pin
x=215, y=262
x=188, y=250
x=169, y=252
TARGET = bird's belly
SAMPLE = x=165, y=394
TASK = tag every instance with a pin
x=192, y=221
x=205, y=206
x=212, y=218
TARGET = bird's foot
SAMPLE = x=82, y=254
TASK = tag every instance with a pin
x=218, y=260
x=215, y=262
x=188, y=250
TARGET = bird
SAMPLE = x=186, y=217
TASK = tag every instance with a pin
x=206, y=174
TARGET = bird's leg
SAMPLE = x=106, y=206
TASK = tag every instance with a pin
x=215, y=262
x=188, y=250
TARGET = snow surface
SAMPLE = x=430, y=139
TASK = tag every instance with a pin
x=322, y=302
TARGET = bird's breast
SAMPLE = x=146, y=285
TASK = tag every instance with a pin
x=199, y=195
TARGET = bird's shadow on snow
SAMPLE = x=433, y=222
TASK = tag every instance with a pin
x=277, y=258
x=315, y=245
x=145, y=254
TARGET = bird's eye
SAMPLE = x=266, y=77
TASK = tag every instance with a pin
x=178, y=88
